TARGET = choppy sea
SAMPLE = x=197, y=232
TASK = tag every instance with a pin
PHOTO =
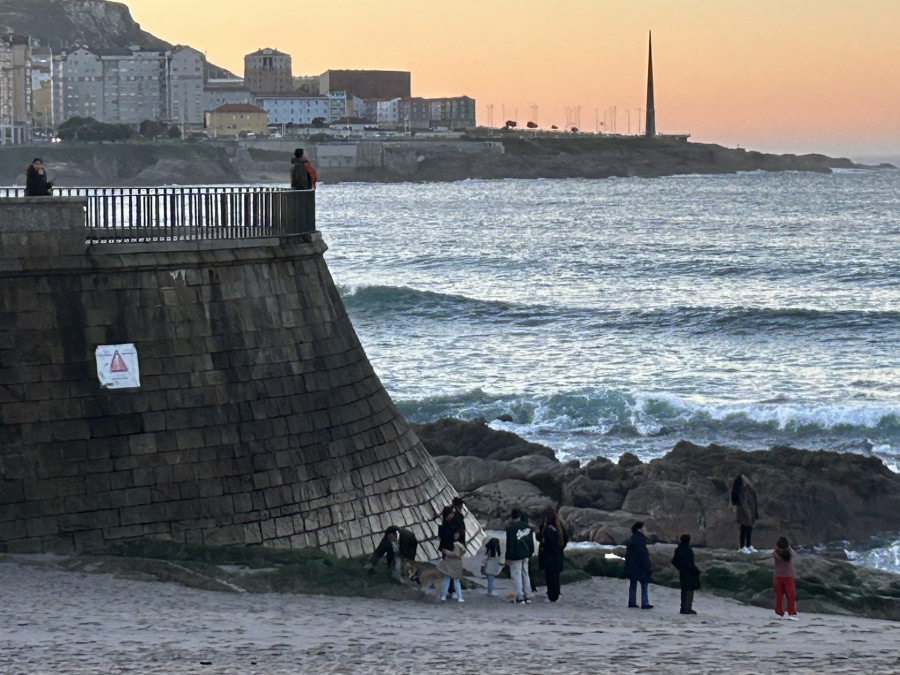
x=625, y=314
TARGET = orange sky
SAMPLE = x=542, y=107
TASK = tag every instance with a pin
x=773, y=75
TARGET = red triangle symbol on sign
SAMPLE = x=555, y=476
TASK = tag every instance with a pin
x=118, y=364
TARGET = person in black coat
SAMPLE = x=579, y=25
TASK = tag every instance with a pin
x=459, y=519
x=637, y=566
x=36, y=183
x=688, y=573
x=553, y=540
x=447, y=529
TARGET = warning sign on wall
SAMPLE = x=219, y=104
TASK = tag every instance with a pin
x=117, y=366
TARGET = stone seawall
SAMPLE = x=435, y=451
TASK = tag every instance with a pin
x=258, y=420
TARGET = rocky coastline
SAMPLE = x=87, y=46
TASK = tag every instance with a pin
x=812, y=497
x=815, y=498
x=146, y=163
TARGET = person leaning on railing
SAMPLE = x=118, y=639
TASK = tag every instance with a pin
x=36, y=183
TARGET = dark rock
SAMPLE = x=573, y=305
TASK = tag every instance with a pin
x=810, y=497
x=493, y=503
x=457, y=437
x=585, y=492
x=627, y=460
x=470, y=473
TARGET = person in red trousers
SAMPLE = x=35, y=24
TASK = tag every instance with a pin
x=783, y=578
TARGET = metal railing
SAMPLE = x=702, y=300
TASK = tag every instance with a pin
x=190, y=213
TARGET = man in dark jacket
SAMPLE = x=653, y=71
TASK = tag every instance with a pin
x=688, y=573
x=36, y=183
x=519, y=548
x=399, y=546
x=637, y=566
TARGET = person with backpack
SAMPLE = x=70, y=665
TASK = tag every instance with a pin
x=303, y=175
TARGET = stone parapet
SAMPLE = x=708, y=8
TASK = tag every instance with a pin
x=258, y=419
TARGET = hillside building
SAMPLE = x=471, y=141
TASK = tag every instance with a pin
x=267, y=72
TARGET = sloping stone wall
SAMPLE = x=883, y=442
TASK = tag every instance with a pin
x=259, y=419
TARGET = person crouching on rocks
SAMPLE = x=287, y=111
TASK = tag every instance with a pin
x=399, y=546
x=688, y=573
x=743, y=501
x=451, y=566
x=637, y=566
x=783, y=578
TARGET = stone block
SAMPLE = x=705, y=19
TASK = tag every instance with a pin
x=41, y=527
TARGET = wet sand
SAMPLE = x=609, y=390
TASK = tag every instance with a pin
x=56, y=621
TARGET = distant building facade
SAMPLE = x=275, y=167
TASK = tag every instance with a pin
x=117, y=88
x=187, y=70
x=268, y=71
x=15, y=89
x=295, y=109
x=367, y=84
x=223, y=91
x=236, y=119
x=453, y=113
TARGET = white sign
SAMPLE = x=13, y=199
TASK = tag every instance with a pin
x=117, y=366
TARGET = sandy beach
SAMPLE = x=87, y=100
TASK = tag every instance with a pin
x=57, y=621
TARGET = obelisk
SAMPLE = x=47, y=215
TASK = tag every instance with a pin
x=650, y=127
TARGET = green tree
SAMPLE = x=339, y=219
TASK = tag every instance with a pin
x=88, y=129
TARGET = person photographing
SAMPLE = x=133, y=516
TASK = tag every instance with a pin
x=36, y=183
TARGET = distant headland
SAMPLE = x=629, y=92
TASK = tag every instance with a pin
x=416, y=159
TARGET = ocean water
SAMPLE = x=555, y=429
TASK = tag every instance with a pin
x=606, y=316
x=622, y=315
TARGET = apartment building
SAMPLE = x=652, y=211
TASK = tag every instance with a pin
x=186, y=73
x=453, y=113
x=295, y=109
x=15, y=89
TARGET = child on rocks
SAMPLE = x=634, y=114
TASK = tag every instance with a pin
x=492, y=563
x=451, y=567
x=783, y=578
x=688, y=573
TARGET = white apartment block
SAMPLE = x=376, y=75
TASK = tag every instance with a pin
x=295, y=109
x=187, y=67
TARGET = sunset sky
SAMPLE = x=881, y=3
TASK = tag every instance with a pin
x=771, y=75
